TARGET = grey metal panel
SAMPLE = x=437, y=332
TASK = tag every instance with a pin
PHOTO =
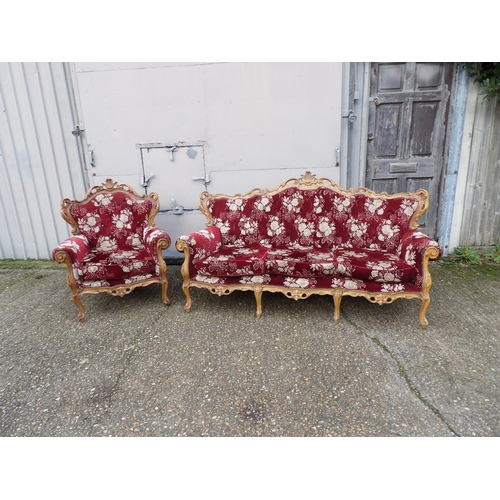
x=481, y=221
x=259, y=124
x=40, y=163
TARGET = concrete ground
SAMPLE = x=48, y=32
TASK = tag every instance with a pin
x=138, y=368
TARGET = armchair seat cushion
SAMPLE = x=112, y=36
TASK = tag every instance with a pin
x=119, y=264
x=231, y=260
x=373, y=265
x=303, y=262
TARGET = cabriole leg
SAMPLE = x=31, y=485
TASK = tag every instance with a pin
x=164, y=288
x=185, y=289
x=258, y=300
x=337, y=298
x=78, y=302
x=423, y=310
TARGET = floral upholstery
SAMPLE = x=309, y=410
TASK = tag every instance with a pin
x=412, y=248
x=233, y=261
x=304, y=262
x=115, y=246
x=112, y=221
x=308, y=234
x=373, y=265
x=319, y=218
x=115, y=265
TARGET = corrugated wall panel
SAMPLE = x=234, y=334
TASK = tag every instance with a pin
x=39, y=159
x=481, y=220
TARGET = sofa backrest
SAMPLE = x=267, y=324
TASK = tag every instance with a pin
x=111, y=216
x=307, y=212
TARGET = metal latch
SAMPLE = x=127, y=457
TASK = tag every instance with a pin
x=177, y=209
x=349, y=114
x=376, y=100
x=77, y=131
x=171, y=148
x=145, y=180
x=91, y=156
x=206, y=179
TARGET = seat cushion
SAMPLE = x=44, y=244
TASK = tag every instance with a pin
x=300, y=262
x=373, y=265
x=119, y=264
x=230, y=260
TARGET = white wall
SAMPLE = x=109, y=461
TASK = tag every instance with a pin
x=259, y=124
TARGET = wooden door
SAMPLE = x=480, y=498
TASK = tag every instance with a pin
x=407, y=124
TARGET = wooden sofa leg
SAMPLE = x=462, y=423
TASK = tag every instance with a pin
x=337, y=298
x=189, y=302
x=78, y=302
x=423, y=310
x=258, y=299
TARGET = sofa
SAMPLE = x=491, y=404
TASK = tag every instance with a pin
x=310, y=236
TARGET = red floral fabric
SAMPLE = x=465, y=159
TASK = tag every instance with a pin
x=77, y=247
x=411, y=249
x=373, y=265
x=115, y=265
x=320, y=218
x=233, y=261
x=300, y=263
x=201, y=244
x=308, y=283
x=112, y=220
x=306, y=238
x=151, y=236
x=113, y=282
x=115, y=244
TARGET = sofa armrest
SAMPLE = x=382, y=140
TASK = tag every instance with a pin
x=155, y=240
x=198, y=245
x=201, y=243
x=75, y=249
x=416, y=249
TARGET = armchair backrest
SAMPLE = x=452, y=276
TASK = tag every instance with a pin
x=111, y=216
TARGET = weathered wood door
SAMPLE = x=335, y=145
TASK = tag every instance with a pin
x=407, y=123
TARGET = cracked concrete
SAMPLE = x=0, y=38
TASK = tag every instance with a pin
x=137, y=368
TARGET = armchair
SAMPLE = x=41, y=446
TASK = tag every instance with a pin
x=115, y=245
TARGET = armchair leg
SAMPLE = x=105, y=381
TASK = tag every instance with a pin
x=78, y=302
x=164, y=297
x=185, y=289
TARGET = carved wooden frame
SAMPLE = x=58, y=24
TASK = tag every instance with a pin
x=308, y=182
x=107, y=187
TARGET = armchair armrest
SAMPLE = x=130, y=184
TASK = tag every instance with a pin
x=416, y=249
x=74, y=248
x=198, y=245
x=155, y=240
